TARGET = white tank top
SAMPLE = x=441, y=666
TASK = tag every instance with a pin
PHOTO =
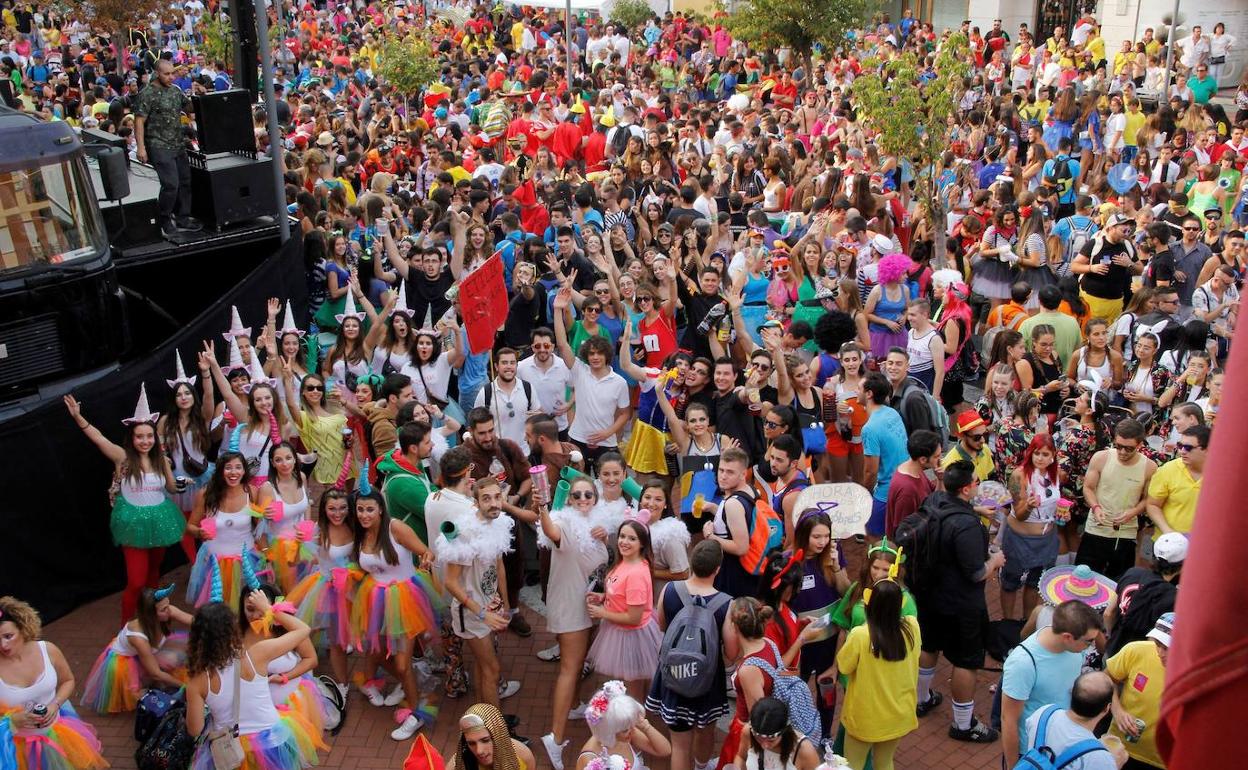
x=256, y=711
x=334, y=556
x=376, y=565
x=1046, y=511
x=179, y=464
x=42, y=690
x=920, y=350
x=340, y=368
x=383, y=356
x=1106, y=372
x=292, y=513
x=122, y=646
x=233, y=532
x=256, y=445
x=149, y=491
x=280, y=665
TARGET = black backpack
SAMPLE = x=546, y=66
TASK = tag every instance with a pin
x=151, y=709
x=170, y=746
x=528, y=393
x=1060, y=177
x=619, y=140
x=918, y=535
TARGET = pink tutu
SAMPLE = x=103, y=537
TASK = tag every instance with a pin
x=626, y=653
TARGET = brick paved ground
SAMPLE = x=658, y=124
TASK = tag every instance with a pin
x=365, y=744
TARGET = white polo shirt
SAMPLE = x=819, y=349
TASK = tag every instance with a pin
x=597, y=399
x=550, y=386
x=510, y=410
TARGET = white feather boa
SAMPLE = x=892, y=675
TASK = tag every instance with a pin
x=476, y=540
x=666, y=532
x=575, y=530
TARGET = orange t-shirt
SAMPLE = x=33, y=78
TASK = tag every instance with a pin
x=628, y=585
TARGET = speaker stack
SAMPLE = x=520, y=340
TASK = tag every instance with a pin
x=229, y=184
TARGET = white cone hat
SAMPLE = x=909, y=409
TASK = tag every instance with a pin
x=142, y=412
x=236, y=325
x=180, y=376
x=349, y=311
x=236, y=358
x=288, y=323
x=400, y=305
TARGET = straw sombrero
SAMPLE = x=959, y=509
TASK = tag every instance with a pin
x=847, y=505
x=1063, y=583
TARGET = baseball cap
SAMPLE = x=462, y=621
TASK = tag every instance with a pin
x=1118, y=219
x=1171, y=547
x=1163, y=629
x=882, y=244
x=969, y=421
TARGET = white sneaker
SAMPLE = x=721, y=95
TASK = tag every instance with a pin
x=508, y=689
x=549, y=654
x=395, y=697
x=344, y=689
x=407, y=729
x=554, y=751
x=578, y=712
x=373, y=693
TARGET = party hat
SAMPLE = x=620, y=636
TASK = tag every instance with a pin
x=349, y=311
x=236, y=325
x=400, y=305
x=142, y=412
x=181, y=372
x=288, y=323
x=236, y=358
x=427, y=327
x=257, y=374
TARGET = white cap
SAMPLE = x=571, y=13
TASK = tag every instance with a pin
x=1172, y=547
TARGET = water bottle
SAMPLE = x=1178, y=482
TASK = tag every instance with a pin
x=498, y=471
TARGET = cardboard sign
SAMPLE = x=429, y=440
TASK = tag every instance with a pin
x=483, y=303
x=848, y=505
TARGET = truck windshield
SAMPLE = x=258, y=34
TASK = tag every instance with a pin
x=48, y=216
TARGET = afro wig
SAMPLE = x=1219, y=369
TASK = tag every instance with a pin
x=834, y=329
x=894, y=267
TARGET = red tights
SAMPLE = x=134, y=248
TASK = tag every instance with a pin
x=142, y=571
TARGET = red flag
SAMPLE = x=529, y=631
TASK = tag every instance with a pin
x=1206, y=694
x=483, y=303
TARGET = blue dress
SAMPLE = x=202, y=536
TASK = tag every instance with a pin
x=754, y=309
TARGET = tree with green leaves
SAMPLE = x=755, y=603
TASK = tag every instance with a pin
x=799, y=26
x=631, y=13
x=905, y=105
x=408, y=63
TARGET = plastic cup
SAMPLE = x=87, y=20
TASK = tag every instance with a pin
x=699, y=500
x=1063, y=509
x=209, y=528
x=541, y=483
x=1111, y=742
x=827, y=692
x=305, y=530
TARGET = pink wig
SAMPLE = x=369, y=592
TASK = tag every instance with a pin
x=893, y=268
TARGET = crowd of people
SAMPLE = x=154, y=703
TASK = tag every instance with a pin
x=720, y=293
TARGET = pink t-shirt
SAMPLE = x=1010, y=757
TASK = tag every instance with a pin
x=628, y=585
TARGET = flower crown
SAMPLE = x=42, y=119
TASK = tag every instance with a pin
x=597, y=708
x=609, y=762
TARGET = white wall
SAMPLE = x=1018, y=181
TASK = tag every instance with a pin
x=1010, y=12
x=1127, y=20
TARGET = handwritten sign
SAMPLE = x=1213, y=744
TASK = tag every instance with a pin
x=483, y=303
x=847, y=505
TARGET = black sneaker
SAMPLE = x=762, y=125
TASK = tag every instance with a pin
x=169, y=229
x=189, y=224
x=978, y=733
x=934, y=699
x=519, y=626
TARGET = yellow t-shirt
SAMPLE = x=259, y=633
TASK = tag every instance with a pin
x=882, y=695
x=324, y=435
x=1174, y=484
x=1135, y=121
x=1096, y=47
x=1138, y=668
x=982, y=461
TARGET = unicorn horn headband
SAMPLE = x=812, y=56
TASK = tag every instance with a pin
x=288, y=323
x=236, y=325
x=163, y=593
x=142, y=412
x=400, y=304
x=180, y=375
x=349, y=310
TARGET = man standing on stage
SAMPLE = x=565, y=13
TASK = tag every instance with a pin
x=161, y=142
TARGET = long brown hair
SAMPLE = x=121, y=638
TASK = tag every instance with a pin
x=891, y=638
x=149, y=624
x=170, y=438
x=134, y=460
x=385, y=546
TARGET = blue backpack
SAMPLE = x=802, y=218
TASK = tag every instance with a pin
x=1041, y=757
x=803, y=717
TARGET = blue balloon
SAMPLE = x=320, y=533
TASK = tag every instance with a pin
x=1051, y=136
x=1122, y=178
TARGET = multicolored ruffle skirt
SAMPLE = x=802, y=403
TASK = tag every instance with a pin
x=69, y=744
x=386, y=616
x=291, y=744
x=116, y=680
x=291, y=561
x=305, y=699
x=199, y=587
x=324, y=602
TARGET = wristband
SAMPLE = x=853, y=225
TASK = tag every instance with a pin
x=284, y=678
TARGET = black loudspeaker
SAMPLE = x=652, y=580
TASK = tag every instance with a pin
x=227, y=189
x=224, y=121
x=114, y=176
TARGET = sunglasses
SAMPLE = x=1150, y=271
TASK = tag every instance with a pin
x=583, y=496
x=645, y=299
x=310, y=388
x=1125, y=448
x=591, y=310
x=1185, y=448
x=1192, y=229
x=772, y=424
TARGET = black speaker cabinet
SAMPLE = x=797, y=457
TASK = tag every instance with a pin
x=228, y=189
x=224, y=121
